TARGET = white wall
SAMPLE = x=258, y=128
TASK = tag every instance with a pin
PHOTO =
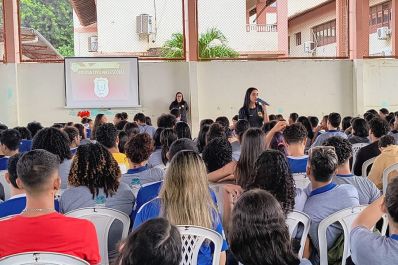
x=295, y=6
x=8, y=94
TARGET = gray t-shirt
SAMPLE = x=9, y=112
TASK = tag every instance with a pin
x=367, y=190
x=155, y=159
x=235, y=150
x=145, y=176
x=147, y=129
x=368, y=248
x=323, y=137
x=300, y=199
x=64, y=169
x=323, y=202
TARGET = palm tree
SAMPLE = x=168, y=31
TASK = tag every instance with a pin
x=212, y=44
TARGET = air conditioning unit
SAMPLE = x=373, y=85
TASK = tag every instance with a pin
x=383, y=33
x=309, y=46
x=144, y=24
x=93, y=44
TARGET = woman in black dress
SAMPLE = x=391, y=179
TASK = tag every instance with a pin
x=253, y=111
x=180, y=104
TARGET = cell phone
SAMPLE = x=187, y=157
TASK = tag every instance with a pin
x=259, y=100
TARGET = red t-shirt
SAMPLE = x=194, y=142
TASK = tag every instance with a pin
x=51, y=232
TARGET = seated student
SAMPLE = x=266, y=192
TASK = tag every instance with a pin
x=166, y=121
x=151, y=190
x=82, y=133
x=326, y=196
x=34, y=127
x=333, y=123
x=271, y=173
x=368, y=248
x=185, y=199
x=240, y=128
x=139, y=119
x=293, y=117
x=94, y=180
x=155, y=159
x=360, y=132
x=295, y=136
x=394, y=131
x=216, y=130
x=378, y=128
x=310, y=133
x=120, y=120
x=216, y=155
x=131, y=128
x=74, y=138
x=154, y=242
x=108, y=136
x=258, y=233
x=148, y=120
x=314, y=122
x=367, y=190
x=57, y=142
x=123, y=139
x=182, y=130
x=17, y=202
x=167, y=137
x=201, y=140
x=26, y=139
x=138, y=150
x=176, y=113
x=383, y=112
x=387, y=158
x=48, y=230
x=9, y=145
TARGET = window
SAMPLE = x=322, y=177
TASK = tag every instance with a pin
x=298, y=39
x=325, y=33
x=380, y=16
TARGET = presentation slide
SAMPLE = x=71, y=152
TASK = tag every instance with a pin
x=101, y=82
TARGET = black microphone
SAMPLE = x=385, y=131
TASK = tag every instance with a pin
x=259, y=100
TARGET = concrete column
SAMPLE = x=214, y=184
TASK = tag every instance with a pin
x=11, y=31
x=342, y=27
x=359, y=28
x=394, y=27
x=191, y=30
x=283, y=31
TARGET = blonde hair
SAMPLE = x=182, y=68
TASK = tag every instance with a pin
x=185, y=192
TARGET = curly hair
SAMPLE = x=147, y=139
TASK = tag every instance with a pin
x=107, y=135
x=182, y=130
x=54, y=141
x=216, y=130
x=94, y=167
x=217, y=153
x=386, y=141
x=223, y=121
x=295, y=133
x=272, y=173
x=323, y=162
x=139, y=148
x=258, y=231
x=167, y=137
x=24, y=132
x=166, y=121
x=342, y=147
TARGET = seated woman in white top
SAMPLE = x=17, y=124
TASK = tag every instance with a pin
x=258, y=233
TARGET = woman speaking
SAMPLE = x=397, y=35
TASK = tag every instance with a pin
x=180, y=104
x=254, y=110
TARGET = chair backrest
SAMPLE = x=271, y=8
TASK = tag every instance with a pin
x=6, y=186
x=301, y=180
x=103, y=218
x=355, y=149
x=365, y=166
x=42, y=258
x=345, y=217
x=192, y=239
x=293, y=220
x=386, y=173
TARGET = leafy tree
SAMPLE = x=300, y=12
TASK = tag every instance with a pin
x=53, y=19
x=212, y=44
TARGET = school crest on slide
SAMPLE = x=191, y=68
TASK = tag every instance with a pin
x=101, y=87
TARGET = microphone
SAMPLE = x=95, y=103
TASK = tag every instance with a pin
x=259, y=100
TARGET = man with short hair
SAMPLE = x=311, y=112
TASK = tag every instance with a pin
x=176, y=113
x=367, y=191
x=166, y=121
x=39, y=227
x=108, y=136
x=333, y=123
x=293, y=117
x=383, y=112
x=140, y=119
x=10, y=140
x=326, y=197
x=295, y=136
x=378, y=127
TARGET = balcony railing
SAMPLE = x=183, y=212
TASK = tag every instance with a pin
x=261, y=28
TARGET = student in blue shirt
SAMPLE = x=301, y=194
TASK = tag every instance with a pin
x=296, y=140
x=333, y=123
x=10, y=140
x=185, y=199
x=26, y=139
x=17, y=203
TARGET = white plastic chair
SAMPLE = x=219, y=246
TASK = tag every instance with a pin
x=192, y=239
x=42, y=258
x=386, y=173
x=293, y=220
x=6, y=186
x=345, y=217
x=103, y=218
x=355, y=149
x=301, y=180
x=365, y=166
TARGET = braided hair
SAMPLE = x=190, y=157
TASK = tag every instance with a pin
x=54, y=141
x=94, y=167
x=272, y=173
